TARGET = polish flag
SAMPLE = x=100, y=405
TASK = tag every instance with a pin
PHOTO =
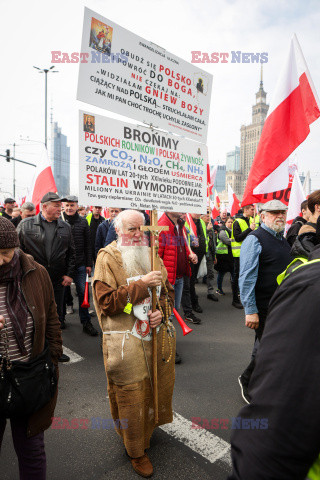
x=213, y=175
x=210, y=180
x=295, y=107
x=192, y=225
x=21, y=200
x=106, y=213
x=215, y=206
x=43, y=181
x=297, y=196
x=234, y=204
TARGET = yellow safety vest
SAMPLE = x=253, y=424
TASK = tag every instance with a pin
x=314, y=472
x=89, y=218
x=204, y=228
x=222, y=248
x=236, y=246
x=297, y=262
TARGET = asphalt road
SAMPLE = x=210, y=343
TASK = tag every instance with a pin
x=213, y=356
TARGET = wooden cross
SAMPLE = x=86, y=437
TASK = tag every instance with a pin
x=155, y=231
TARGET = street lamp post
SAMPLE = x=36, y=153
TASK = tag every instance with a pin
x=45, y=71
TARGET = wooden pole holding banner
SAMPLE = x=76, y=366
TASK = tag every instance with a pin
x=154, y=230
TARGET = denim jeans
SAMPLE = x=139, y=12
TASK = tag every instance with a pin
x=221, y=277
x=178, y=287
x=30, y=451
x=210, y=272
x=186, y=299
x=80, y=283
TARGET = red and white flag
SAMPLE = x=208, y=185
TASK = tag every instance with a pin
x=106, y=213
x=211, y=177
x=234, y=204
x=215, y=207
x=43, y=181
x=209, y=182
x=297, y=196
x=295, y=107
x=192, y=225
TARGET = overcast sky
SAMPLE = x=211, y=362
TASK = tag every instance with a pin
x=31, y=30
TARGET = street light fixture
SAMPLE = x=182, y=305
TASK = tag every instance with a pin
x=46, y=70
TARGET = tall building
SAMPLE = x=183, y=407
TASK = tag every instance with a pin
x=220, y=182
x=249, y=139
x=233, y=160
x=60, y=155
x=233, y=175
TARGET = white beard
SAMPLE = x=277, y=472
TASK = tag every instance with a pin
x=276, y=226
x=136, y=259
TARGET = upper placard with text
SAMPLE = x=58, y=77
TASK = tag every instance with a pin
x=123, y=73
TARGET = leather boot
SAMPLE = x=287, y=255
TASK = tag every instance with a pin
x=142, y=466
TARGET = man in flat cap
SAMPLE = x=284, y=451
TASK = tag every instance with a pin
x=49, y=240
x=82, y=242
x=9, y=204
x=265, y=253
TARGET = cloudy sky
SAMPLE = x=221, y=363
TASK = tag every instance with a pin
x=31, y=30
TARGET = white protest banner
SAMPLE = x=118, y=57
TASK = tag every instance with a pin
x=128, y=166
x=123, y=73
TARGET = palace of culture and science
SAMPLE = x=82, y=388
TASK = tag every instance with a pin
x=249, y=139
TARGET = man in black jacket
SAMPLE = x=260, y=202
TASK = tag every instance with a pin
x=9, y=204
x=297, y=223
x=49, y=240
x=277, y=435
x=26, y=210
x=81, y=237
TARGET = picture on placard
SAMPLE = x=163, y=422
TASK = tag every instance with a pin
x=201, y=83
x=100, y=36
x=88, y=123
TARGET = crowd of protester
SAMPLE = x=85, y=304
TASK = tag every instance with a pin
x=61, y=244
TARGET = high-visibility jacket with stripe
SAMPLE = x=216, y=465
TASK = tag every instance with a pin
x=314, y=472
x=222, y=248
x=236, y=246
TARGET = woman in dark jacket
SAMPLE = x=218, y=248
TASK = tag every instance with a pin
x=224, y=254
x=28, y=316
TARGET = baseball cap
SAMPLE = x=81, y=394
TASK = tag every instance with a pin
x=70, y=198
x=9, y=200
x=50, y=197
x=273, y=206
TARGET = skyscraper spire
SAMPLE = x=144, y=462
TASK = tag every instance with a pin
x=261, y=76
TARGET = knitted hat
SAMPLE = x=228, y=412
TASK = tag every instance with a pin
x=8, y=235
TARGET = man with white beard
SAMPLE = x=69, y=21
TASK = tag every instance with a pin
x=121, y=290
x=265, y=253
